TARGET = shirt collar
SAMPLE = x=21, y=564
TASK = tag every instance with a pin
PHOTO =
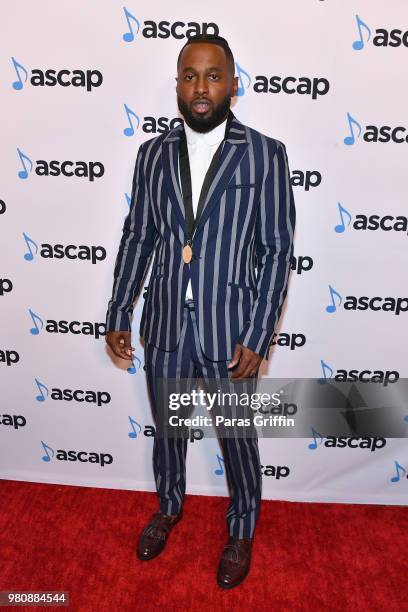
x=214, y=136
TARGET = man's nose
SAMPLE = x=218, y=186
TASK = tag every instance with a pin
x=201, y=85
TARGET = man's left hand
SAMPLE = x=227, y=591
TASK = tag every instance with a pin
x=248, y=361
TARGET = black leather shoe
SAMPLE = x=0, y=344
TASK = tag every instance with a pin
x=235, y=562
x=154, y=536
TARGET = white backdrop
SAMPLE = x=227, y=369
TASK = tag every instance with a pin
x=118, y=77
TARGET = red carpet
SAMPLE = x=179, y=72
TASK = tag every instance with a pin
x=306, y=556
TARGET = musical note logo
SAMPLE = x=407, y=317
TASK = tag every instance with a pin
x=130, y=36
x=37, y=321
x=316, y=436
x=333, y=294
x=19, y=68
x=219, y=471
x=341, y=227
x=401, y=471
x=129, y=131
x=128, y=199
x=134, y=424
x=41, y=388
x=30, y=242
x=133, y=369
x=325, y=369
x=241, y=72
x=350, y=140
x=23, y=174
x=49, y=452
x=358, y=45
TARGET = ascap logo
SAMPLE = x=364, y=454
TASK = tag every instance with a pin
x=305, y=179
x=382, y=37
x=372, y=444
x=6, y=286
x=293, y=341
x=351, y=302
x=149, y=125
x=386, y=223
x=59, y=251
x=314, y=86
x=301, y=263
x=49, y=77
x=64, y=327
x=164, y=29
x=9, y=357
x=374, y=133
x=100, y=398
x=90, y=170
x=13, y=420
x=376, y=376
x=101, y=459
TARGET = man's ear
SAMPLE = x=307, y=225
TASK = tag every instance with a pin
x=234, y=86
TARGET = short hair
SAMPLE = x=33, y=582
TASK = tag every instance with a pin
x=215, y=40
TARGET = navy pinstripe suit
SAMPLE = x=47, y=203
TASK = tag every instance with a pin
x=242, y=244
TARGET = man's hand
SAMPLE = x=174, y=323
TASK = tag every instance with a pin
x=249, y=362
x=120, y=344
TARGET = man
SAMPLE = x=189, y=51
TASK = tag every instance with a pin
x=212, y=200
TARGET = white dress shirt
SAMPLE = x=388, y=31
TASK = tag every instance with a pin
x=201, y=149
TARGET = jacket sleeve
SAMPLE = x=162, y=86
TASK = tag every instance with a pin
x=275, y=225
x=135, y=249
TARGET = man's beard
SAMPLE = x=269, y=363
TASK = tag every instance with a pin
x=205, y=124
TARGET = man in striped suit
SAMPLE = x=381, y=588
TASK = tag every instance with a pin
x=213, y=203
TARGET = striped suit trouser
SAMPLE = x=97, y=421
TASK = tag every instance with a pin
x=240, y=454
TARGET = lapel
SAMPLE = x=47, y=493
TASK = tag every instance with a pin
x=170, y=153
x=235, y=145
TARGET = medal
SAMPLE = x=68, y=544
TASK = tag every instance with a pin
x=187, y=253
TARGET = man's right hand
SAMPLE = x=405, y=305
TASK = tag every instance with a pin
x=120, y=344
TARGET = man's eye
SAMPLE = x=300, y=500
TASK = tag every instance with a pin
x=188, y=77
x=215, y=76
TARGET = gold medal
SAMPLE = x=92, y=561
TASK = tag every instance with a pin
x=187, y=253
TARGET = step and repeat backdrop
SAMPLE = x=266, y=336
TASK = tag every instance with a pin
x=83, y=84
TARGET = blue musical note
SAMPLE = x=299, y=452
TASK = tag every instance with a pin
x=35, y=330
x=133, y=369
x=350, y=140
x=219, y=471
x=23, y=174
x=359, y=44
x=333, y=293
x=340, y=228
x=29, y=241
x=241, y=88
x=47, y=456
x=400, y=472
x=133, y=433
x=316, y=434
x=406, y=418
x=129, y=131
x=129, y=36
x=17, y=67
x=325, y=368
x=41, y=388
x=128, y=199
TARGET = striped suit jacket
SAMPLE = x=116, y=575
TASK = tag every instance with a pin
x=242, y=244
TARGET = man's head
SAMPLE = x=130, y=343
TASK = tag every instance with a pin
x=205, y=81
